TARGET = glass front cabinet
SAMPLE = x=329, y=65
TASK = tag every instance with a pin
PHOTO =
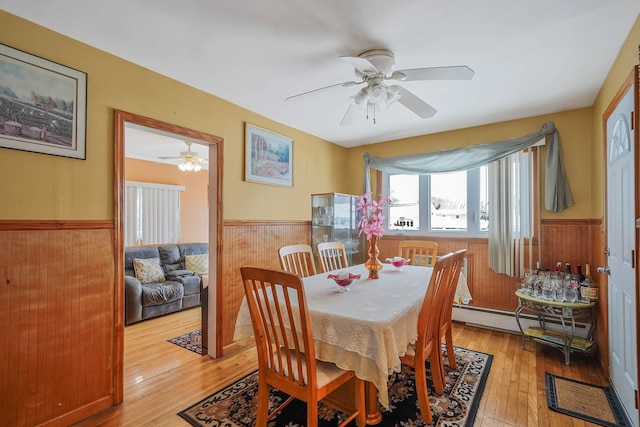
x=334, y=219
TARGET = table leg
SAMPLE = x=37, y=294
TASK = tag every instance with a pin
x=371, y=395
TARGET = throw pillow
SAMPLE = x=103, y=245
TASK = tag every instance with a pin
x=148, y=270
x=199, y=264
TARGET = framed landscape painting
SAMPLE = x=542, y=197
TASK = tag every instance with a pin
x=43, y=105
x=268, y=157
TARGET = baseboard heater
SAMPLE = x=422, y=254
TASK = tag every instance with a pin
x=489, y=318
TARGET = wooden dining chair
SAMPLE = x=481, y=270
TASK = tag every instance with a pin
x=446, y=315
x=297, y=259
x=420, y=252
x=427, y=345
x=286, y=360
x=332, y=256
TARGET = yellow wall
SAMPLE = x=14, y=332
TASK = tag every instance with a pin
x=194, y=209
x=626, y=60
x=47, y=187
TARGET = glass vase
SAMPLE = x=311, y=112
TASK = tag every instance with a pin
x=373, y=264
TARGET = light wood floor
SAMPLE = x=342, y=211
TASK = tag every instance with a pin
x=162, y=379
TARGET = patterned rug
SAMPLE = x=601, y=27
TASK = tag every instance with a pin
x=593, y=403
x=191, y=341
x=235, y=405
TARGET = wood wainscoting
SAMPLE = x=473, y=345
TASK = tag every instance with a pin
x=251, y=243
x=57, y=302
x=56, y=321
x=257, y=243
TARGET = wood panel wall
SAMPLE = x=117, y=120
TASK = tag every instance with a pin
x=56, y=321
x=257, y=243
x=251, y=243
x=57, y=302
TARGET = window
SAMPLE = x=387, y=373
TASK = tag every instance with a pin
x=500, y=198
x=454, y=202
x=152, y=213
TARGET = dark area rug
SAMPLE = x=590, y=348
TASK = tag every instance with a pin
x=235, y=405
x=593, y=403
x=191, y=341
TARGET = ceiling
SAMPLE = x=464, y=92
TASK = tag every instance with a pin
x=152, y=145
x=529, y=57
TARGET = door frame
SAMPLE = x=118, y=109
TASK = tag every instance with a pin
x=633, y=77
x=215, y=225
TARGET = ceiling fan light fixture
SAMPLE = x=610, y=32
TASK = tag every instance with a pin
x=189, y=165
x=393, y=94
x=360, y=98
x=377, y=93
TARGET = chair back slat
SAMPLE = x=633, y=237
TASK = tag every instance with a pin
x=332, y=256
x=420, y=252
x=297, y=259
x=279, y=315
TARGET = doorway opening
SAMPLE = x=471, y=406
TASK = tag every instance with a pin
x=137, y=136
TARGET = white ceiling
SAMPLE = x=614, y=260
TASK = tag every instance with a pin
x=156, y=146
x=530, y=57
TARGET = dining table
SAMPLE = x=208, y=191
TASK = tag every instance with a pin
x=366, y=329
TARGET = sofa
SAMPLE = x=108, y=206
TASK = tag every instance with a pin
x=162, y=279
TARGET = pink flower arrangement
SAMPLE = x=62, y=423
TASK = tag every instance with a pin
x=371, y=214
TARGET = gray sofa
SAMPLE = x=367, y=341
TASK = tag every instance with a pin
x=179, y=291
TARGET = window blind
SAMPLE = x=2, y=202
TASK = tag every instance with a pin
x=151, y=213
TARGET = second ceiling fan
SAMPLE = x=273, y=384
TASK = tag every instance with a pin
x=190, y=161
x=375, y=68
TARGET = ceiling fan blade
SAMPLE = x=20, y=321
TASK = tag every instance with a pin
x=415, y=104
x=343, y=84
x=170, y=158
x=350, y=116
x=361, y=64
x=460, y=72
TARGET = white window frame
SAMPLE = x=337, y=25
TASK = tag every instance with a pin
x=473, y=215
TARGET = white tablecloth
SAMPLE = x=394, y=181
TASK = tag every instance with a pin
x=366, y=329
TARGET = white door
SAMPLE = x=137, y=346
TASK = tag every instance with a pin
x=621, y=246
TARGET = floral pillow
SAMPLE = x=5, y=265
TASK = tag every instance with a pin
x=148, y=270
x=199, y=264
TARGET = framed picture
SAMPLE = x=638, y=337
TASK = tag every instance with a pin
x=268, y=157
x=43, y=105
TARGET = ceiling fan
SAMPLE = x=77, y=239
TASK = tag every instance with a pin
x=375, y=68
x=191, y=161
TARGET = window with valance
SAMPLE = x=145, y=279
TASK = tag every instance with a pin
x=509, y=180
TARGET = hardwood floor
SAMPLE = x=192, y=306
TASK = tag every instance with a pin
x=162, y=379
